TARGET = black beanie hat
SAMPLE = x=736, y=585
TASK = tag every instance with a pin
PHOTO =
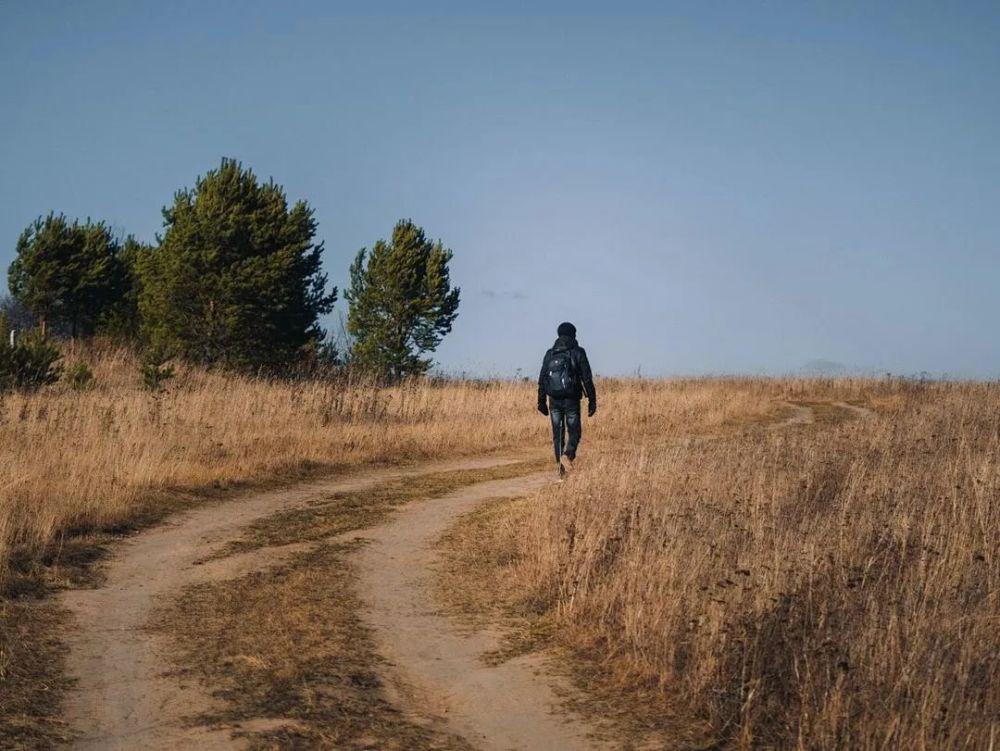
x=566, y=329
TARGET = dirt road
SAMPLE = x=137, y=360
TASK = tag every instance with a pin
x=126, y=698
x=439, y=669
x=123, y=698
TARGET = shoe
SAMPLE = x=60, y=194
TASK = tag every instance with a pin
x=562, y=472
x=566, y=463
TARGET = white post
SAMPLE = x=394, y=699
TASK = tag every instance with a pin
x=12, y=334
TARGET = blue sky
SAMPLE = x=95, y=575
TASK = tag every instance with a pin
x=700, y=187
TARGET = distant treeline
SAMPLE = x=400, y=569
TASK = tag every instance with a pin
x=234, y=281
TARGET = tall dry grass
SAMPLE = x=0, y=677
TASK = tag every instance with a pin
x=71, y=459
x=77, y=458
x=82, y=459
x=821, y=586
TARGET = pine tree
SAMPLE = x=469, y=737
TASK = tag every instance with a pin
x=401, y=302
x=121, y=321
x=18, y=317
x=69, y=275
x=236, y=279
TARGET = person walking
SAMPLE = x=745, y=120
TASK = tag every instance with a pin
x=564, y=380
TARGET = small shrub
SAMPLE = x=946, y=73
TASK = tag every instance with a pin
x=29, y=363
x=80, y=377
x=155, y=370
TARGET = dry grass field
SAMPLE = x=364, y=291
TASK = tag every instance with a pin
x=71, y=460
x=826, y=585
x=833, y=584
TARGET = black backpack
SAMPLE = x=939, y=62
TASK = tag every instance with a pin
x=560, y=378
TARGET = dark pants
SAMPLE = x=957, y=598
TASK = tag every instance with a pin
x=565, y=419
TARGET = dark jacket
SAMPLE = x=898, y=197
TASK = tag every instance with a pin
x=581, y=369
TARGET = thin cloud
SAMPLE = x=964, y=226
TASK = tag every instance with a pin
x=504, y=294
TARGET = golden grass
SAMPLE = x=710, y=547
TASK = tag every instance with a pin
x=834, y=585
x=71, y=460
x=75, y=460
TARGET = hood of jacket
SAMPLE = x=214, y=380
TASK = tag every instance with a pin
x=564, y=343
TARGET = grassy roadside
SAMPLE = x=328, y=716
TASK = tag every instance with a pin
x=827, y=585
x=284, y=649
x=33, y=681
x=479, y=584
x=31, y=661
x=474, y=586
